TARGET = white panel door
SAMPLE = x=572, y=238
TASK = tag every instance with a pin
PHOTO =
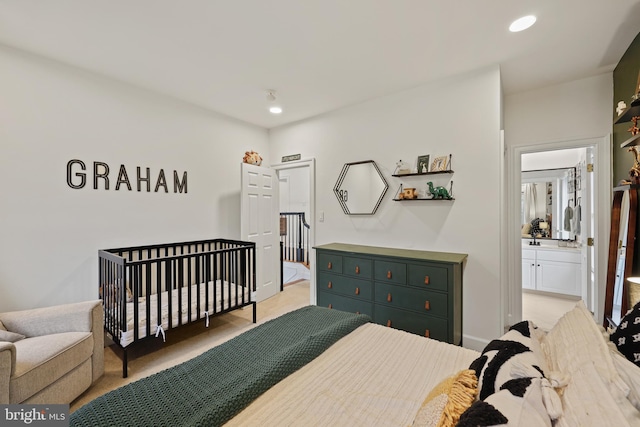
x=259, y=223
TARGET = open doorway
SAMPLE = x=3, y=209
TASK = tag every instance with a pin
x=595, y=213
x=294, y=226
x=297, y=234
x=555, y=209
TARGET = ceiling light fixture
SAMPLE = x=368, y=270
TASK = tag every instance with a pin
x=523, y=23
x=271, y=97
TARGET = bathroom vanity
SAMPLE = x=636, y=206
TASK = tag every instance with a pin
x=552, y=269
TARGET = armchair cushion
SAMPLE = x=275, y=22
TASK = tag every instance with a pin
x=43, y=360
x=50, y=320
x=7, y=336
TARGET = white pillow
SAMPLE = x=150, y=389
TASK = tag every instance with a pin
x=2, y=328
x=630, y=374
x=595, y=393
x=7, y=336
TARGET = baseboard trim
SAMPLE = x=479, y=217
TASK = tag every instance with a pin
x=474, y=343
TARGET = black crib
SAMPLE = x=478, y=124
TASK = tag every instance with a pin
x=175, y=284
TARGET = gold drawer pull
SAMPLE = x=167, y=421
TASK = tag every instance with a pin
x=389, y=323
x=329, y=266
x=426, y=333
x=330, y=305
x=389, y=274
x=357, y=291
x=427, y=305
x=357, y=270
x=389, y=297
x=330, y=285
x=426, y=280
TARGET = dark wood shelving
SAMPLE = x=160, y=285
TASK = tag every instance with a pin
x=629, y=112
x=423, y=173
x=634, y=140
x=423, y=199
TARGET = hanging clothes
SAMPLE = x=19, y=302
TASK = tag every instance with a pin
x=568, y=215
x=578, y=217
x=530, y=201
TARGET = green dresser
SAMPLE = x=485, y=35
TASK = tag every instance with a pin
x=416, y=291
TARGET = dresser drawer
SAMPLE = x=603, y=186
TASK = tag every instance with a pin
x=417, y=300
x=329, y=262
x=336, y=284
x=389, y=271
x=357, y=267
x=428, y=277
x=343, y=303
x=419, y=324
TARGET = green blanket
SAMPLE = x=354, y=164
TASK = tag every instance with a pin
x=210, y=389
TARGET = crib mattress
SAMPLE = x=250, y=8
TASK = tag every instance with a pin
x=225, y=298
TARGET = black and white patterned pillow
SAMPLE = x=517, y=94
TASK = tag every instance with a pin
x=509, y=382
x=627, y=335
x=500, y=357
x=518, y=403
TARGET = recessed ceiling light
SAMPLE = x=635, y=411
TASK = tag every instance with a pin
x=274, y=109
x=522, y=23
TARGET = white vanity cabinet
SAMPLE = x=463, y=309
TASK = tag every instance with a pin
x=552, y=270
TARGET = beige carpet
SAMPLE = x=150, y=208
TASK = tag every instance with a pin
x=190, y=341
x=546, y=309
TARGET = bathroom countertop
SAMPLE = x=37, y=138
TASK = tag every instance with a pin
x=549, y=247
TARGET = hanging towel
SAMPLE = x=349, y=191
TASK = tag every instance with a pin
x=576, y=228
x=530, y=201
x=568, y=214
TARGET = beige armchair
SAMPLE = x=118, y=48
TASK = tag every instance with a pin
x=60, y=356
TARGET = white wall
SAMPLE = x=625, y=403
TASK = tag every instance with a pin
x=49, y=232
x=294, y=196
x=558, y=159
x=562, y=114
x=460, y=116
x=575, y=110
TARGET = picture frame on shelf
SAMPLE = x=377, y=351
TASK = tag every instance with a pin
x=422, y=165
x=440, y=163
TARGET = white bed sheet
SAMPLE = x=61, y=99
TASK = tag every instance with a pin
x=222, y=290
x=375, y=376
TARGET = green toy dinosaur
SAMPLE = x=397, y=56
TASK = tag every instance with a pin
x=439, y=192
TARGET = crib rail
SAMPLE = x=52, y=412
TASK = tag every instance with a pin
x=193, y=280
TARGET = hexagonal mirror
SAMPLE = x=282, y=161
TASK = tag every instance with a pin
x=360, y=188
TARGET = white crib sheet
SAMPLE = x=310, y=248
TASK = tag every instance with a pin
x=224, y=300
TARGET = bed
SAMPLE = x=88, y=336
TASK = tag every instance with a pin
x=316, y=366
x=149, y=290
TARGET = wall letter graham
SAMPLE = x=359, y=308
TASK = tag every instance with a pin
x=77, y=177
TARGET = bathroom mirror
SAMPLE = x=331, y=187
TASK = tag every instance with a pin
x=360, y=188
x=548, y=204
